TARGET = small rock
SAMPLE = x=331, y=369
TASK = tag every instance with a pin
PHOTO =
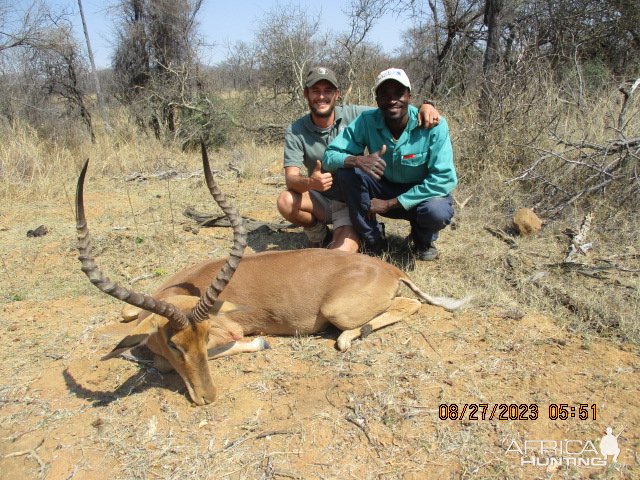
x=189, y=228
x=526, y=222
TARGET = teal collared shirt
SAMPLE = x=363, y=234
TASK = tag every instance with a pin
x=421, y=157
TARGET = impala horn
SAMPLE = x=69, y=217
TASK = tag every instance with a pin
x=176, y=317
x=201, y=311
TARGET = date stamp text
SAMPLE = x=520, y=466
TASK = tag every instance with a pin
x=516, y=411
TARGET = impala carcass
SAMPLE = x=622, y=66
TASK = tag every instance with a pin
x=204, y=311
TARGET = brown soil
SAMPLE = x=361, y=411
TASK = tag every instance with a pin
x=300, y=410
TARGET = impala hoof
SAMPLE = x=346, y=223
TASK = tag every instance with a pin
x=343, y=344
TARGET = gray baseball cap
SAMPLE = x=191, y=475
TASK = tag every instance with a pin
x=320, y=73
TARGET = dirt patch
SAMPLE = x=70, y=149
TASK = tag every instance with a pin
x=302, y=409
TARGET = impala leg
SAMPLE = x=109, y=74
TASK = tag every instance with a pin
x=256, y=345
x=400, y=308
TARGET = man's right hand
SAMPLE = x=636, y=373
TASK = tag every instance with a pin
x=373, y=164
x=319, y=181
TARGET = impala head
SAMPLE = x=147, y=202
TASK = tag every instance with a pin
x=178, y=328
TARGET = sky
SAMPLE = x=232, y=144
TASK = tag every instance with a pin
x=223, y=23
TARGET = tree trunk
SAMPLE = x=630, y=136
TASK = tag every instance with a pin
x=491, y=55
x=492, y=21
x=96, y=79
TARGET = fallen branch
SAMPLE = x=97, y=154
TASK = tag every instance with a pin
x=596, y=317
x=208, y=220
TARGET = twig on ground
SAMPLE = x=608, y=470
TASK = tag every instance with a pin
x=133, y=213
x=144, y=276
x=328, y=392
x=496, y=232
x=464, y=203
x=362, y=425
x=32, y=453
x=425, y=338
x=241, y=440
x=173, y=223
x=280, y=473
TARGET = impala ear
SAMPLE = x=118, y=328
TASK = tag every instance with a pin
x=137, y=337
x=130, y=313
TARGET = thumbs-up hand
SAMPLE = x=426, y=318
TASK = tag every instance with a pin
x=320, y=181
x=373, y=164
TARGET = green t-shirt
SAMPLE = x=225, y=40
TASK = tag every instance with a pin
x=305, y=143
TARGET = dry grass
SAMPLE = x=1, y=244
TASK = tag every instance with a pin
x=300, y=410
x=598, y=296
x=32, y=166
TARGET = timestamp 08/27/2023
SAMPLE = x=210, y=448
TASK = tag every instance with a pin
x=516, y=411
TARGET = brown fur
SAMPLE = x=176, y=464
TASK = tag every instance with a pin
x=278, y=293
x=298, y=291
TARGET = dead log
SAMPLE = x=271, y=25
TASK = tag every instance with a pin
x=209, y=220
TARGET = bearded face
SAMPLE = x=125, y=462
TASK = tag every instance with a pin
x=322, y=98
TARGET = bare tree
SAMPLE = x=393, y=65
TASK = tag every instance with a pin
x=63, y=70
x=492, y=19
x=39, y=46
x=357, y=55
x=155, y=60
x=583, y=171
x=491, y=60
x=455, y=27
x=25, y=30
x=288, y=43
x=241, y=67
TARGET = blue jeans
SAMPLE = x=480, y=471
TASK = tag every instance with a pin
x=426, y=219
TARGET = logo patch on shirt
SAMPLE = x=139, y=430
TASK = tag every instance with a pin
x=409, y=156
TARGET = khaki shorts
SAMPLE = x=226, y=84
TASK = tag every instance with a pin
x=335, y=212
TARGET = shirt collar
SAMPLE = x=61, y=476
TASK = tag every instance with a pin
x=411, y=124
x=312, y=127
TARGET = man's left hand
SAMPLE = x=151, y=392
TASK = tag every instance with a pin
x=380, y=206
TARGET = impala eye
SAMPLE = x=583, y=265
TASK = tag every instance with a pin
x=174, y=347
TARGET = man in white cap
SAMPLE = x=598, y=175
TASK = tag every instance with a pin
x=310, y=197
x=409, y=172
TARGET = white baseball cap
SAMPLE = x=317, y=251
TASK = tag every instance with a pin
x=396, y=74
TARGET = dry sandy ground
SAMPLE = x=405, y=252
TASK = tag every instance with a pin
x=301, y=410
